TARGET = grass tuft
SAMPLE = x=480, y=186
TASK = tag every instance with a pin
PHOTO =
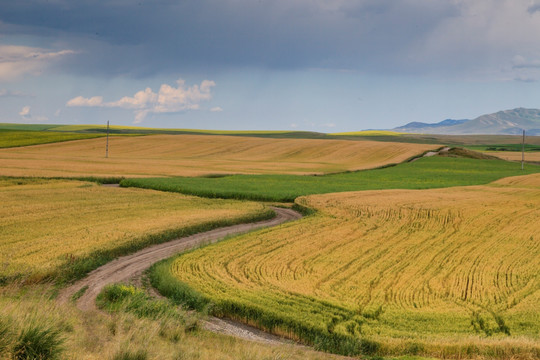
x=131, y=355
x=5, y=335
x=37, y=341
x=128, y=298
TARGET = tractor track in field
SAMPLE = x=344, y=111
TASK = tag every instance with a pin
x=130, y=268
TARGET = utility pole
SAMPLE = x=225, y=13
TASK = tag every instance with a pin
x=523, y=150
x=107, y=145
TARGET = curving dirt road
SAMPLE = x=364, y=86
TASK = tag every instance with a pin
x=132, y=266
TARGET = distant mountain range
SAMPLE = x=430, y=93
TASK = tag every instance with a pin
x=508, y=122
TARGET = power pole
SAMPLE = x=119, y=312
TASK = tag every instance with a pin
x=523, y=150
x=107, y=145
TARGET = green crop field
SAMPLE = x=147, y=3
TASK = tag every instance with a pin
x=126, y=130
x=16, y=138
x=504, y=147
x=26, y=127
x=432, y=172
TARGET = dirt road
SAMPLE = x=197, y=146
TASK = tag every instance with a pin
x=132, y=266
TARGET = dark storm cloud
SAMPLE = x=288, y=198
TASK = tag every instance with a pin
x=148, y=37
x=533, y=8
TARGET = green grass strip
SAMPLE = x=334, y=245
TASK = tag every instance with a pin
x=425, y=173
x=504, y=147
x=17, y=138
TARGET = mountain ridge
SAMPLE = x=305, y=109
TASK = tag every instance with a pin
x=504, y=122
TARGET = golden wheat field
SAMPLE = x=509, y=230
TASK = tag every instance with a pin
x=47, y=223
x=445, y=272
x=516, y=155
x=194, y=155
x=523, y=181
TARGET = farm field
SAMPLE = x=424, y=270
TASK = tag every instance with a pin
x=510, y=152
x=370, y=135
x=533, y=156
x=196, y=155
x=505, y=147
x=454, y=140
x=61, y=228
x=49, y=229
x=448, y=273
x=14, y=138
x=431, y=172
x=115, y=129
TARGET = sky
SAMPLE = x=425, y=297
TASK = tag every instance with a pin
x=316, y=65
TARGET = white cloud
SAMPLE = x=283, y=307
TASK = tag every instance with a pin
x=168, y=99
x=216, y=109
x=25, y=112
x=140, y=100
x=26, y=115
x=16, y=61
x=81, y=101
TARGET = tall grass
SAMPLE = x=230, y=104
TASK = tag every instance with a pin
x=5, y=335
x=40, y=342
x=128, y=298
x=131, y=355
x=100, y=335
x=32, y=339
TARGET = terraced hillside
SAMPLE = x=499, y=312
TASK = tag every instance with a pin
x=194, y=155
x=443, y=272
x=53, y=228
